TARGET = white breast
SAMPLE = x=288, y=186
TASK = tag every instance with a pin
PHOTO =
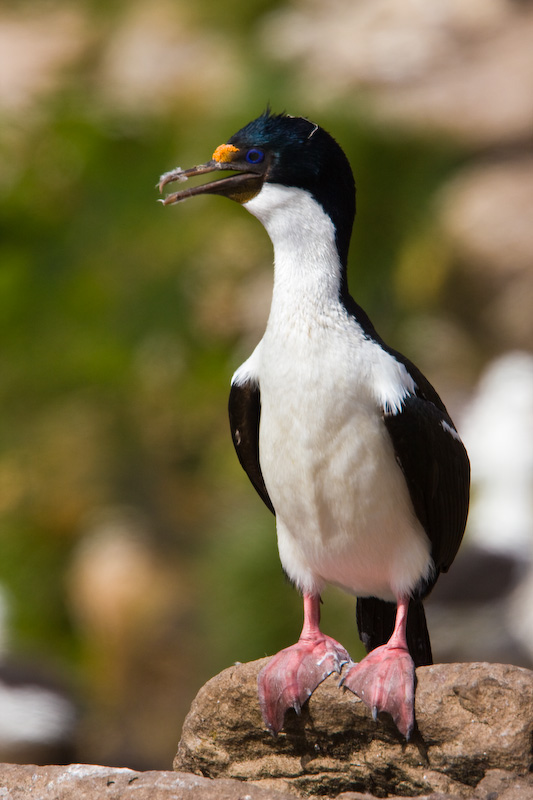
x=343, y=511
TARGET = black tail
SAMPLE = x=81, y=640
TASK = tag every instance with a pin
x=375, y=622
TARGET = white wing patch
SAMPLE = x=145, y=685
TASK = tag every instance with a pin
x=451, y=430
x=391, y=383
x=248, y=372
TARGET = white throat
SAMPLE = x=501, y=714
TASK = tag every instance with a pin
x=306, y=297
x=306, y=260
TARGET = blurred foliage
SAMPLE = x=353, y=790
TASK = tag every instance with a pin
x=121, y=323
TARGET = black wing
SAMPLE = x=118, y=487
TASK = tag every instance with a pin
x=244, y=413
x=437, y=472
x=431, y=455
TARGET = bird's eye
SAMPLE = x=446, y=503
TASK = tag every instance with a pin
x=254, y=156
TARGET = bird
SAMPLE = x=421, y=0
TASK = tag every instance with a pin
x=343, y=438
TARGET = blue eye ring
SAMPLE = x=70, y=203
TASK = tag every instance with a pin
x=255, y=156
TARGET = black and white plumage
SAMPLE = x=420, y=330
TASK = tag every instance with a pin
x=342, y=437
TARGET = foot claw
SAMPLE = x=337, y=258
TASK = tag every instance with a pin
x=385, y=682
x=291, y=677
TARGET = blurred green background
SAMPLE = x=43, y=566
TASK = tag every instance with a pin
x=135, y=559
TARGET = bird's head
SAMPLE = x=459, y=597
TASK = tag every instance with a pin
x=283, y=150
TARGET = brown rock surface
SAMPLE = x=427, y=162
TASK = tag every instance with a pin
x=91, y=782
x=472, y=719
x=473, y=741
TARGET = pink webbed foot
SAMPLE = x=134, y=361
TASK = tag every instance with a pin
x=291, y=676
x=385, y=681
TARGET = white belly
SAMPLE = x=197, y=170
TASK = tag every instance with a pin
x=344, y=515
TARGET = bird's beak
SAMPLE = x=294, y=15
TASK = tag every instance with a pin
x=242, y=186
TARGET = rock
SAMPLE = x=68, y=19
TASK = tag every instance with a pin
x=472, y=718
x=473, y=743
x=91, y=782
x=500, y=785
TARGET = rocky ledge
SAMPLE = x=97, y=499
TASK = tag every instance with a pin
x=473, y=742
x=471, y=719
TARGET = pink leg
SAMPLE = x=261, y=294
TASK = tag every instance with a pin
x=385, y=679
x=292, y=675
